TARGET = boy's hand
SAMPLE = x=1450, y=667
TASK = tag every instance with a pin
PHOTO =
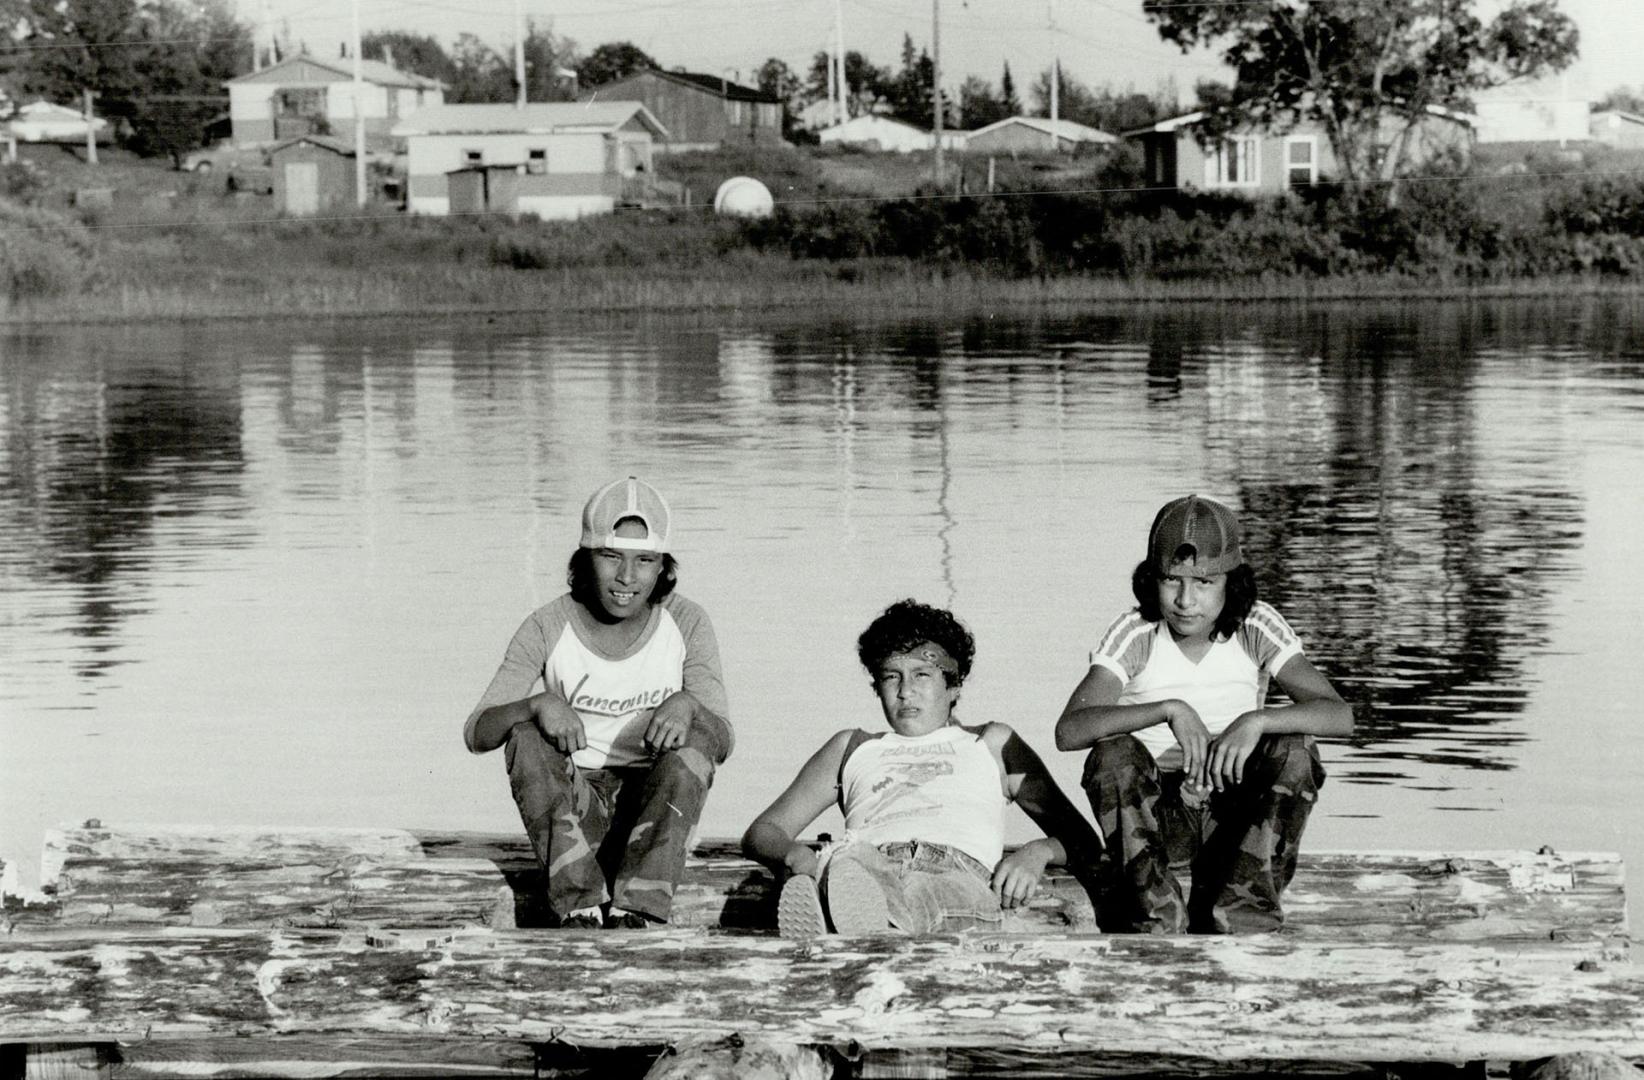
x=670, y=722
x=559, y=723
x=1016, y=878
x=1192, y=736
x=1232, y=748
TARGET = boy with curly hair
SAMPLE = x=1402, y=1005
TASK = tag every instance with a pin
x=923, y=849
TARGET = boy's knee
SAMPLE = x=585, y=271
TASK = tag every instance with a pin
x=1290, y=764
x=693, y=761
x=1116, y=760
x=530, y=755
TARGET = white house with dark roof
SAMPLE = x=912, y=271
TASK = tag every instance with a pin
x=306, y=95
x=870, y=131
x=552, y=159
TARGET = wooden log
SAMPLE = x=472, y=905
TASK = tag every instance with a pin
x=350, y=878
x=1271, y=998
x=262, y=878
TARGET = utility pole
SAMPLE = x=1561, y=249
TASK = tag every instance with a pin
x=936, y=80
x=359, y=114
x=833, y=92
x=841, y=109
x=91, y=132
x=519, y=53
x=1055, y=72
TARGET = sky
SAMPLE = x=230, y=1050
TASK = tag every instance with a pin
x=1100, y=42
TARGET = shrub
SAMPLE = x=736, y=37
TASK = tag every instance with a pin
x=42, y=253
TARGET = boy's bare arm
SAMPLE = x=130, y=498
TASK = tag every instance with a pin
x=770, y=838
x=1316, y=710
x=1070, y=839
x=1092, y=714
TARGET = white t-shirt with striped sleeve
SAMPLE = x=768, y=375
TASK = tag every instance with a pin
x=1230, y=680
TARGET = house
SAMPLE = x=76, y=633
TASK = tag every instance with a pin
x=873, y=132
x=1613, y=127
x=1035, y=135
x=312, y=173
x=553, y=159
x=699, y=112
x=309, y=96
x=42, y=121
x=1256, y=161
x=1542, y=111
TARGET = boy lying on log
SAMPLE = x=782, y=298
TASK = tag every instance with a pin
x=923, y=849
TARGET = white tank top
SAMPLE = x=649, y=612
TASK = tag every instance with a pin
x=944, y=787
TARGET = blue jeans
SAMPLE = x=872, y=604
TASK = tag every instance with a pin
x=929, y=888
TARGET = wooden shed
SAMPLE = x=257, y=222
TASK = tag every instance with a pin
x=698, y=111
x=312, y=173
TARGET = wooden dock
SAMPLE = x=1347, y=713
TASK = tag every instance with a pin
x=316, y=952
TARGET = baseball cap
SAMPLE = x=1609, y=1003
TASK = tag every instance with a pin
x=626, y=498
x=1206, y=526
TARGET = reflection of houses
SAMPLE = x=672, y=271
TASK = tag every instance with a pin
x=312, y=173
x=699, y=112
x=1613, y=127
x=309, y=96
x=555, y=160
x=1256, y=161
x=873, y=132
x=1035, y=135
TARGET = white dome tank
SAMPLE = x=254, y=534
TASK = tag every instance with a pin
x=743, y=196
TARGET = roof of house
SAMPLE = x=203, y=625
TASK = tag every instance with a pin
x=41, y=109
x=372, y=71
x=325, y=142
x=713, y=84
x=1061, y=129
x=1630, y=117
x=868, y=120
x=534, y=118
x=1188, y=119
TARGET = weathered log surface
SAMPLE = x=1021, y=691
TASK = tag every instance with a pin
x=1275, y=997
x=169, y=875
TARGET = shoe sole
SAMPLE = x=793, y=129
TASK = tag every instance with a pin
x=799, y=909
x=856, y=903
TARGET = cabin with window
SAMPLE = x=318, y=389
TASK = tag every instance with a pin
x=1265, y=161
x=551, y=159
x=306, y=95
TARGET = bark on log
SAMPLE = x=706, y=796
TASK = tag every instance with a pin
x=1273, y=998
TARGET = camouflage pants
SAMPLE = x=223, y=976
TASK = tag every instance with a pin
x=612, y=834
x=1241, y=844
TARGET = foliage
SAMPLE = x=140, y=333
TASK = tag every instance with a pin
x=1598, y=205
x=910, y=91
x=1104, y=109
x=1622, y=99
x=43, y=253
x=612, y=61
x=419, y=54
x=478, y=73
x=864, y=83
x=1368, y=71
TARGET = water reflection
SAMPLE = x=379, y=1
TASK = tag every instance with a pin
x=1406, y=475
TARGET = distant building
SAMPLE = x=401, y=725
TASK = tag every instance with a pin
x=555, y=160
x=312, y=174
x=309, y=96
x=1613, y=127
x=42, y=121
x=1543, y=111
x=873, y=132
x=1261, y=161
x=699, y=112
x=1034, y=135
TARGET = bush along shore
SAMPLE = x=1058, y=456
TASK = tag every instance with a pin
x=1446, y=233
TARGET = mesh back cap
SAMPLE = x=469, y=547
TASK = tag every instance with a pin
x=629, y=497
x=1203, y=524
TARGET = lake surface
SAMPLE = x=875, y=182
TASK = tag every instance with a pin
x=259, y=573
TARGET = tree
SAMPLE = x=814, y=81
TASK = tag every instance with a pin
x=1104, y=109
x=1370, y=72
x=1622, y=100
x=419, y=54
x=479, y=73
x=979, y=106
x=774, y=77
x=550, y=72
x=908, y=92
x=612, y=61
x=1008, y=100
x=864, y=83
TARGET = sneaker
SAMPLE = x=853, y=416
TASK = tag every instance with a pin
x=799, y=909
x=856, y=903
x=628, y=920
x=579, y=921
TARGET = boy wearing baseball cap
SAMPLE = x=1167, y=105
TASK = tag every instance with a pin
x=1187, y=760
x=611, y=758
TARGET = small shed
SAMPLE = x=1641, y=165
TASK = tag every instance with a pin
x=312, y=173
x=1035, y=135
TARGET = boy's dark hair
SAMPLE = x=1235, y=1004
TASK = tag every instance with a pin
x=579, y=575
x=907, y=623
x=1241, y=596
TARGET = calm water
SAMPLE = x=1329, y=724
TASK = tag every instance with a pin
x=259, y=574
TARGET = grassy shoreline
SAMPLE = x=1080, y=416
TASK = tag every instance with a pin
x=762, y=284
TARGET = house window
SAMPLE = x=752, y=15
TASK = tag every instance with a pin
x=1301, y=160
x=536, y=160
x=1236, y=162
x=308, y=102
x=473, y=157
